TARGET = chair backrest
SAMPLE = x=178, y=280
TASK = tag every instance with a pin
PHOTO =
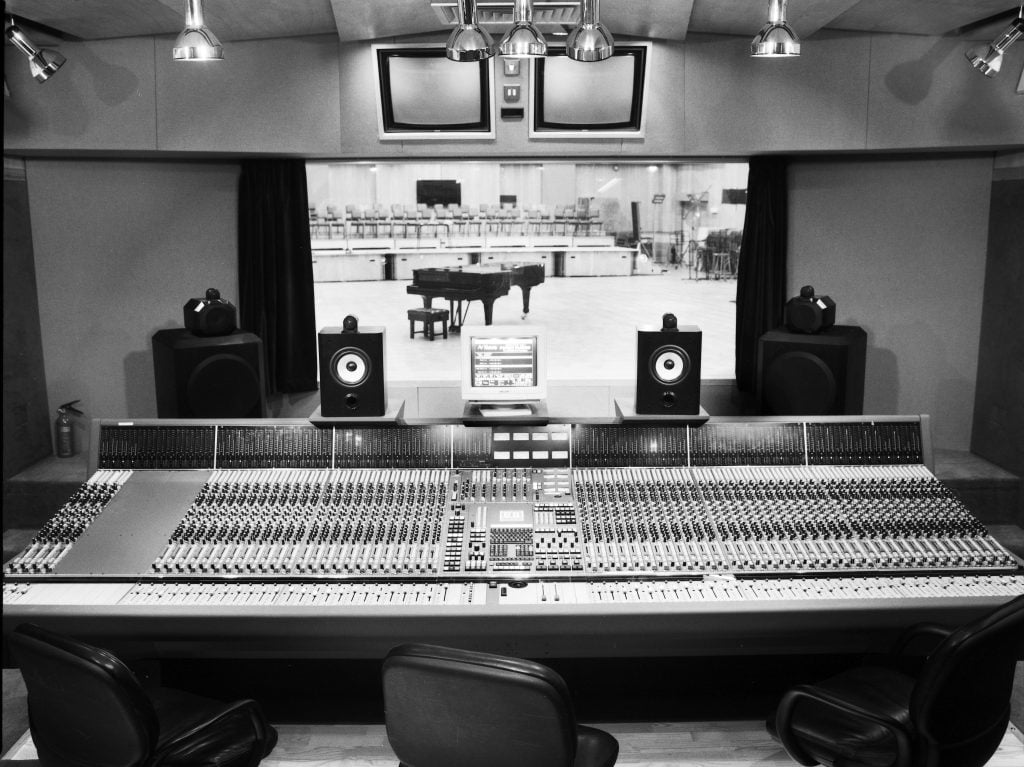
x=962, y=695
x=85, y=706
x=445, y=707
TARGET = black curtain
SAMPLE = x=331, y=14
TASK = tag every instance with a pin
x=761, y=279
x=275, y=270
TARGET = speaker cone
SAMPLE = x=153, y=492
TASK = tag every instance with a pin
x=350, y=366
x=670, y=364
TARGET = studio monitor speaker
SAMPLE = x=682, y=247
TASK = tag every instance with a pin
x=208, y=377
x=821, y=374
x=352, y=371
x=668, y=369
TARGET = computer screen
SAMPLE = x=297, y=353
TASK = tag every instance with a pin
x=503, y=363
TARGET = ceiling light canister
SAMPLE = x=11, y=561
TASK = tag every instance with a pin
x=196, y=42
x=524, y=39
x=776, y=38
x=42, y=62
x=591, y=40
x=468, y=42
x=988, y=59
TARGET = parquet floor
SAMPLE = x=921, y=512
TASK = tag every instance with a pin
x=591, y=323
x=662, y=744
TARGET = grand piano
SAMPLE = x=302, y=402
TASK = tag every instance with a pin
x=474, y=283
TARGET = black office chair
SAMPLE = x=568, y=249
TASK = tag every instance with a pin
x=446, y=707
x=952, y=712
x=87, y=709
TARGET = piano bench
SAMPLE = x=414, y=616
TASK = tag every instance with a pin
x=428, y=317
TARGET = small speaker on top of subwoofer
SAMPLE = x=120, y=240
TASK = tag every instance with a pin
x=820, y=374
x=352, y=380
x=808, y=313
x=208, y=377
x=668, y=369
x=210, y=316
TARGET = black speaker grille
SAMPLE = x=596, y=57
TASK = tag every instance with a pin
x=800, y=383
x=222, y=386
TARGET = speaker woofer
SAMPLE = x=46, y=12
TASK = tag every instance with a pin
x=670, y=364
x=350, y=366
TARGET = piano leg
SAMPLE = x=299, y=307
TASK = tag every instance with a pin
x=526, y=299
x=456, y=314
x=488, y=309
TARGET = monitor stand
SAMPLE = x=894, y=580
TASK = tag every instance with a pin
x=515, y=412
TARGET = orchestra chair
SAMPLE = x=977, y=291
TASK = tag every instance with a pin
x=951, y=712
x=87, y=708
x=445, y=707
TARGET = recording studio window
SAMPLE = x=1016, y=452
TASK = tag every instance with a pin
x=620, y=244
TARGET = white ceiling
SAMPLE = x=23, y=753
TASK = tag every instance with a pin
x=376, y=19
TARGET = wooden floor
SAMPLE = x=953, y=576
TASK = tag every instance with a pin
x=591, y=322
x=687, y=744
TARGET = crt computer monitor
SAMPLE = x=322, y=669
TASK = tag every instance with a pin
x=504, y=363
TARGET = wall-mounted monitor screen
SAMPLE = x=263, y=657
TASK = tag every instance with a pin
x=593, y=99
x=734, y=196
x=423, y=95
x=503, y=363
x=438, y=191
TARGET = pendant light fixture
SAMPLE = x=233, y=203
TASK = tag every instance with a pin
x=524, y=39
x=42, y=62
x=776, y=38
x=591, y=40
x=196, y=42
x=987, y=59
x=468, y=42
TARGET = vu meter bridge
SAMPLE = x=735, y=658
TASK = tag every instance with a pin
x=566, y=539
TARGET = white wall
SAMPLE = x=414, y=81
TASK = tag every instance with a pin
x=899, y=245
x=120, y=247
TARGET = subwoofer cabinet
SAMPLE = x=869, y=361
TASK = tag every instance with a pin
x=819, y=374
x=208, y=376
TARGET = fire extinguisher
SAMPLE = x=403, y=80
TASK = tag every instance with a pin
x=64, y=428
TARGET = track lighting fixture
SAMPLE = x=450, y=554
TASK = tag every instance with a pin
x=987, y=59
x=591, y=40
x=468, y=42
x=196, y=42
x=41, y=61
x=523, y=40
x=776, y=38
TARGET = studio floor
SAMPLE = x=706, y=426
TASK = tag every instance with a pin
x=661, y=744
x=591, y=322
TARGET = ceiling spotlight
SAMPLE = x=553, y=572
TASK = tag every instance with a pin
x=468, y=42
x=591, y=40
x=41, y=61
x=987, y=59
x=523, y=40
x=196, y=42
x=776, y=38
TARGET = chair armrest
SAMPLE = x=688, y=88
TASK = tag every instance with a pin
x=784, y=716
x=247, y=706
x=933, y=633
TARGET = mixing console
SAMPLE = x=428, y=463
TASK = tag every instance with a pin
x=773, y=515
